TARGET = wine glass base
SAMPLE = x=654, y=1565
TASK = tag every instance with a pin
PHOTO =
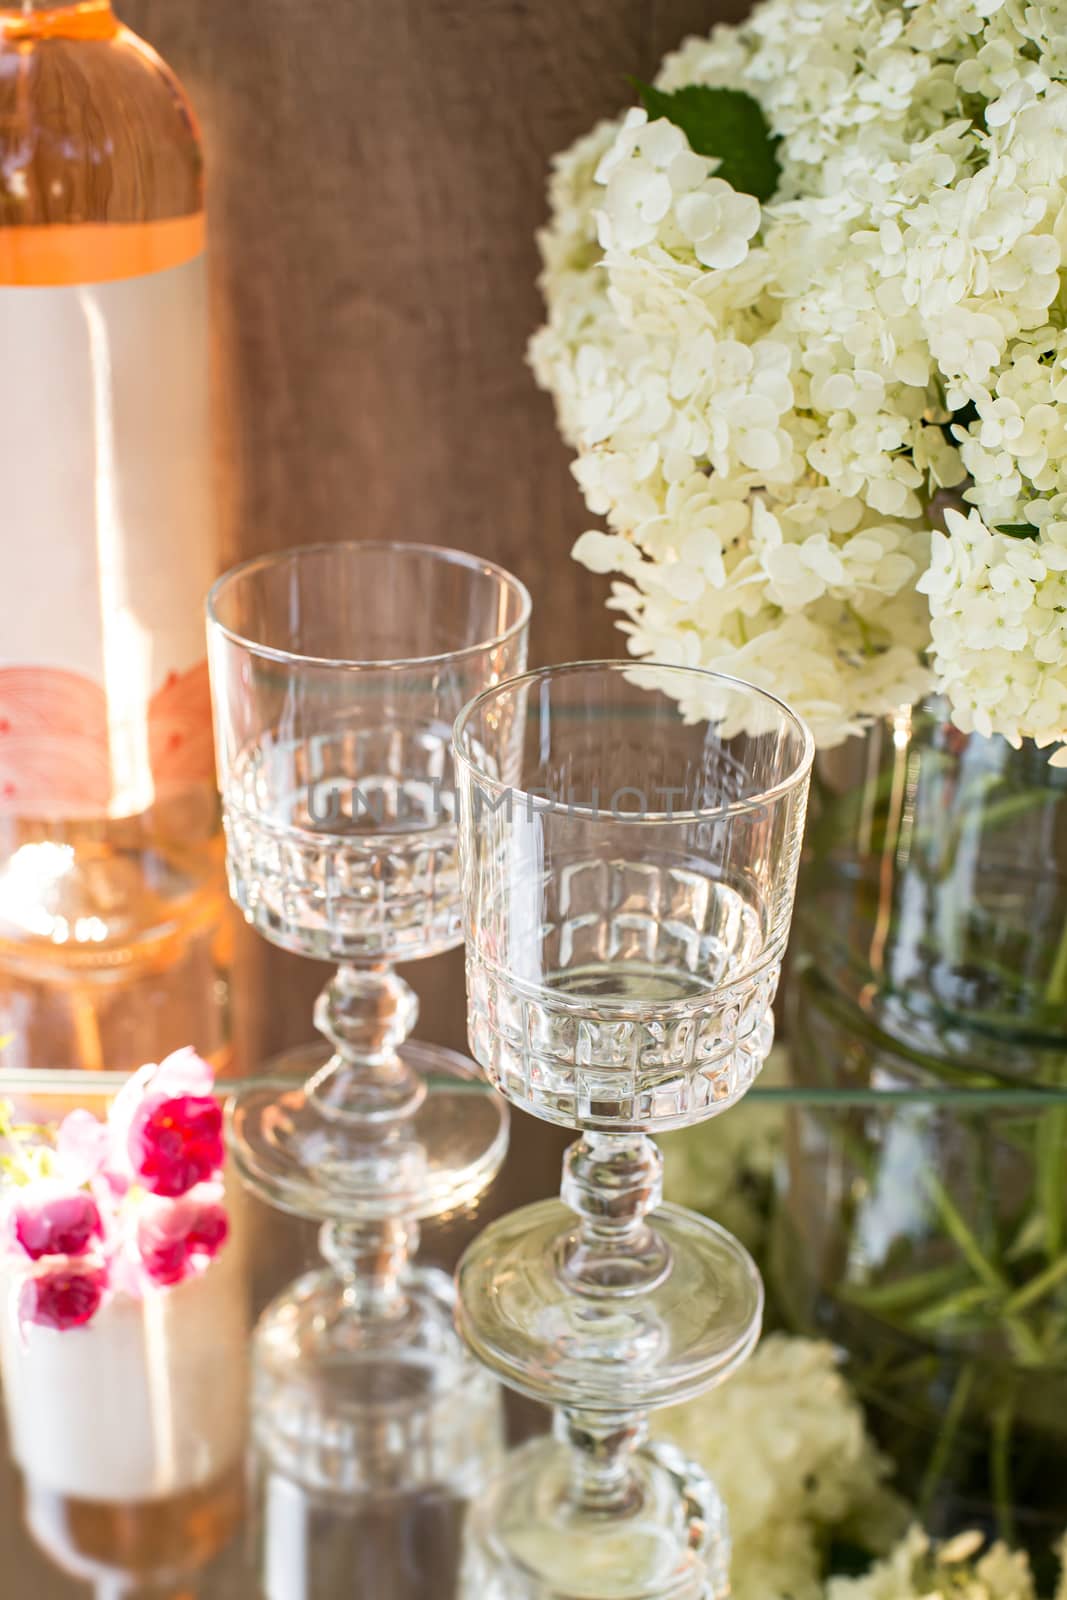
x=302, y=1157
x=345, y=1403
x=528, y=1538
x=630, y=1348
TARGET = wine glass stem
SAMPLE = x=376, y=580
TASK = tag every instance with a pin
x=602, y=1447
x=371, y=1258
x=613, y=1181
x=366, y=1012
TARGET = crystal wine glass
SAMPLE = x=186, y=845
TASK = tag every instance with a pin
x=629, y=846
x=336, y=673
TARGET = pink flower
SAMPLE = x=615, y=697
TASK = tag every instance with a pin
x=182, y=1072
x=63, y=1295
x=210, y=1231
x=49, y=1220
x=174, y=1144
x=166, y=1130
x=82, y=1146
x=176, y=1239
x=90, y=1229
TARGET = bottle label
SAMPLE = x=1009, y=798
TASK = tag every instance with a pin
x=109, y=543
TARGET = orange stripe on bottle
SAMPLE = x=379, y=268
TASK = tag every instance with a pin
x=96, y=252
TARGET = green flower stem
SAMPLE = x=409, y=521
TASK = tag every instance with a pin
x=836, y=816
x=954, y=1307
x=946, y=1439
x=1027, y=1346
x=962, y=1236
x=1051, y=1146
x=1056, y=987
x=1000, y=1472
x=1037, y=1287
x=904, y=1294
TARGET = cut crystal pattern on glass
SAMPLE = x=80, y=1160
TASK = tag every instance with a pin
x=655, y=1008
x=333, y=857
x=623, y=1071
x=523, y=1535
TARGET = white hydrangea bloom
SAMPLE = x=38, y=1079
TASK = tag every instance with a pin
x=765, y=399
x=920, y=1570
x=785, y=1441
x=999, y=610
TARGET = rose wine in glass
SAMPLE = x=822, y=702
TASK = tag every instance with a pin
x=113, y=941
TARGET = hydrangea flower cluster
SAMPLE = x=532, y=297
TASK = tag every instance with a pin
x=963, y=1567
x=786, y=1443
x=772, y=404
x=119, y=1206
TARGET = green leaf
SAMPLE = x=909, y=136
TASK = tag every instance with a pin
x=725, y=123
x=1018, y=530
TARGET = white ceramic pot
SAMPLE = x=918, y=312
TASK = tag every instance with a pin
x=146, y=1402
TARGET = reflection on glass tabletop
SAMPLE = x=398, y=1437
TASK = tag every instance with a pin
x=912, y=1371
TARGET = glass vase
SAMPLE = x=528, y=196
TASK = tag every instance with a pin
x=922, y=1230
x=924, y=1225
x=933, y=921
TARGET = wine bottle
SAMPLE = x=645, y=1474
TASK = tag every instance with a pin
x=114, y=939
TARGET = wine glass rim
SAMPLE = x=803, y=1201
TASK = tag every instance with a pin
x=796, y=777
x=443, y=553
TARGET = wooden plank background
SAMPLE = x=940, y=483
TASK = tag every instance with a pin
x=376, y=174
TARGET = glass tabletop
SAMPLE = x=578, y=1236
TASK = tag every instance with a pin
x=892, y=1228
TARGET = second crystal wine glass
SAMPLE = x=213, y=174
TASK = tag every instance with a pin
x=629, y=844
x=336, y=673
